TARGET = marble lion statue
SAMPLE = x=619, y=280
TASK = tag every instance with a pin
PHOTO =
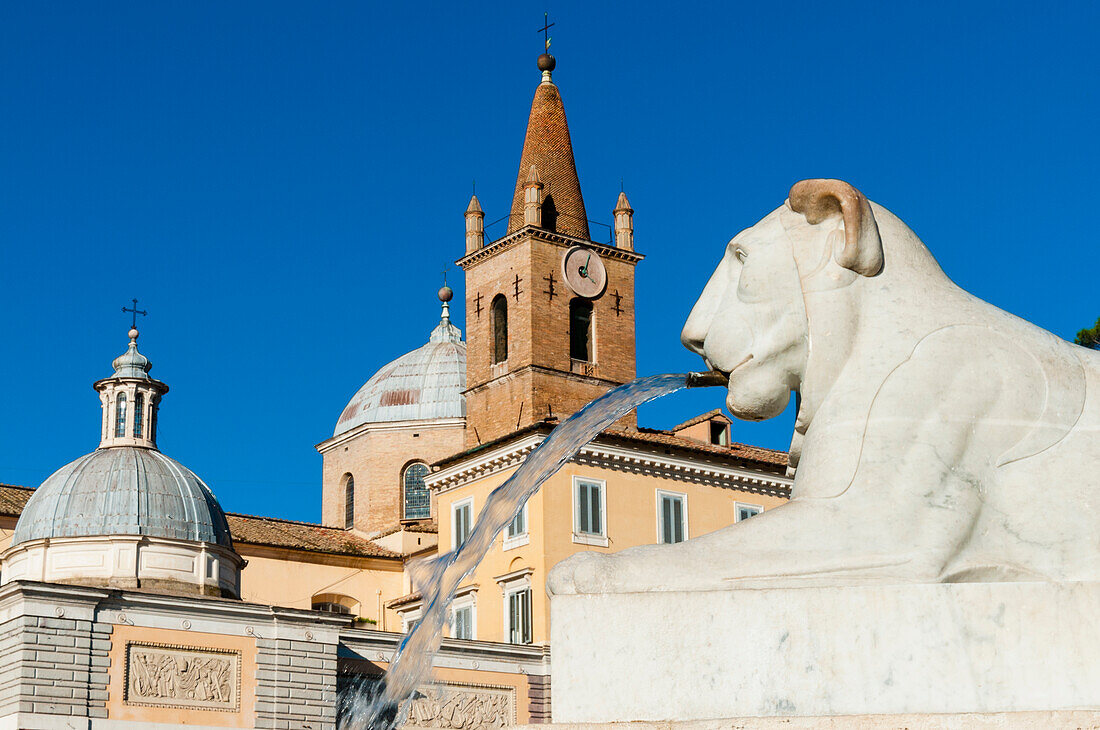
x=938, y=438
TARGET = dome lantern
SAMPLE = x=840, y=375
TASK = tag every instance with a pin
x=130, y=400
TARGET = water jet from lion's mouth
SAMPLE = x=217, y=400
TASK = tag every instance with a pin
x=386, y=704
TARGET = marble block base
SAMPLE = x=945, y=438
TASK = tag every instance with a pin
x=1063, y=720
x=821, y=652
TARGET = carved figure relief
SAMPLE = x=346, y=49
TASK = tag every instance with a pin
x=463, y=707
x=167, y=675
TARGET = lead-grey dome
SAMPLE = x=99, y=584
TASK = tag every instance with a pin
x=124, y=490
x=426, y=383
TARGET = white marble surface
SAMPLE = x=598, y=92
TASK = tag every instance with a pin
x=830, y=651
x=938, y=438
x=1066, y=720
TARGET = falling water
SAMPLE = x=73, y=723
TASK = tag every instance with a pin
x=381, y=706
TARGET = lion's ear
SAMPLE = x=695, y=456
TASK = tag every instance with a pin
x=822, y=199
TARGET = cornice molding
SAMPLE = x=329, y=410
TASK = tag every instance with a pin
x=616, y=458
x=560, y=239
x=421, y=425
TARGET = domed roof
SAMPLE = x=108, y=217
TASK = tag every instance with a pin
x=426, y=383
x=123, y=490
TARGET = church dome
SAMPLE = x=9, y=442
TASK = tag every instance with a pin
x=126, y=516
x=124, y=490
x=424, y=384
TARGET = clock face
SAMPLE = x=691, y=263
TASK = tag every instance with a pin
x=584, y=272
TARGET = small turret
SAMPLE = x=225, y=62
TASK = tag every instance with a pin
x=624, y=223
x=532, y=199
x=475, y=225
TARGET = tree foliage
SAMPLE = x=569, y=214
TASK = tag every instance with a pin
x=1090, y=337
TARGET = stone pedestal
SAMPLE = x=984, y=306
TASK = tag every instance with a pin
x=826, y=652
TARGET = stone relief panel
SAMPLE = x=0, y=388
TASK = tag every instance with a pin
x=463, y=707
x=169, y=675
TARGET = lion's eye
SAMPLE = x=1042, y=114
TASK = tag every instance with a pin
x=741, y=254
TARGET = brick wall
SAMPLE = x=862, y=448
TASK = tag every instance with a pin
x=538, y=694
x=376, y=459
x=537, y=378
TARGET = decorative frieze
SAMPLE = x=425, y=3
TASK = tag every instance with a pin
x=169, y=675
x=463, y=707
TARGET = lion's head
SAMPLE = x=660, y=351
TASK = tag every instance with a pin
x=751, y=321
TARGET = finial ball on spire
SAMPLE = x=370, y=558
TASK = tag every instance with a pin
x=133, y=333
x=547, y=62
x=446, y=294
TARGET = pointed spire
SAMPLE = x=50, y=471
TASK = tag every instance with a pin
x=548, y=147
x=475, y=225
x=624, y=223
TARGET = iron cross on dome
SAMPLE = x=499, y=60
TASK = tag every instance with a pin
x=135, y=311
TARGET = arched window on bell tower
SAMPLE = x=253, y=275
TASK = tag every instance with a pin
x=120, y=415
x=500, y=329
x=580, y=330
x=349, y=502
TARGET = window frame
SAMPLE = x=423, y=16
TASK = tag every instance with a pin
x=405, y=491
x=349, y=501
x=494, y=325
x=521, y=538
x=121, y=414
x=464, y=600
x=661, y=495
x=597, y=539
x=455, y=507
x=590, y=333
x=138, y=429
x=738, y=506
x=512, y=583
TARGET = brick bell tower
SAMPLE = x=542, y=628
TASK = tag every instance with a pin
x=549, y=312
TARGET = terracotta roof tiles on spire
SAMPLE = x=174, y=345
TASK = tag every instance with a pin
x=549, y=148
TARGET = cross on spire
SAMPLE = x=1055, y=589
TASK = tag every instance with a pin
x=545, y=29
x=135, y=311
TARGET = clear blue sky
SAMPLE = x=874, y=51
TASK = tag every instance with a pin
x=281, y=183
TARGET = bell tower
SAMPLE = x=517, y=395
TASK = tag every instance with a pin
x=549, y=311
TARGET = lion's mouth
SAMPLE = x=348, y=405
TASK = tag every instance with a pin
x=714, y=375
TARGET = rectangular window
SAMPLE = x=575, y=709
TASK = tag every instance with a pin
x=589, y=512
x=462, y=522
x=745, y=511
x=462, y=622
x=519, y=616
x=672, y=517
x=515, y=534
